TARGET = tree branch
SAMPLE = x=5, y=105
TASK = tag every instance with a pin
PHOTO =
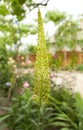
x=35, y=5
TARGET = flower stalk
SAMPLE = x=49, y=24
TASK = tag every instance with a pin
x=41, y=71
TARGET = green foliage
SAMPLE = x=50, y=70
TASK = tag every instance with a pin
x=9, y=30
x=79, y=110
x=55, y=61
x=3, y=10
x=24, y=114
x=32, y=49
x=21, y=79
x=17, y=9
x=21, y=1
x=41, y=74
x=66, y=34
x=79, y=67
x=73, y=61
x=55, y=16
x=20, y=113
x=5, y=72
x=32, y=27
x=80, y=41
x=63, y=113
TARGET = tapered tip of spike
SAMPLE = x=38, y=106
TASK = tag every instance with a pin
x=38, y=9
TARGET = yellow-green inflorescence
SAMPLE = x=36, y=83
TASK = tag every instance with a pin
x=41, y=72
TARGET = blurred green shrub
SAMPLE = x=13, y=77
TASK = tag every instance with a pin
x=32, y=49
x=73, y=61
x=79, y=67
x=55, y=62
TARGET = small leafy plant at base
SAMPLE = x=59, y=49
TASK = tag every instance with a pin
x=24, y=114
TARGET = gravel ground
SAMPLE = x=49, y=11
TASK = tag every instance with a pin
x=79, y=83
x=73, y=79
